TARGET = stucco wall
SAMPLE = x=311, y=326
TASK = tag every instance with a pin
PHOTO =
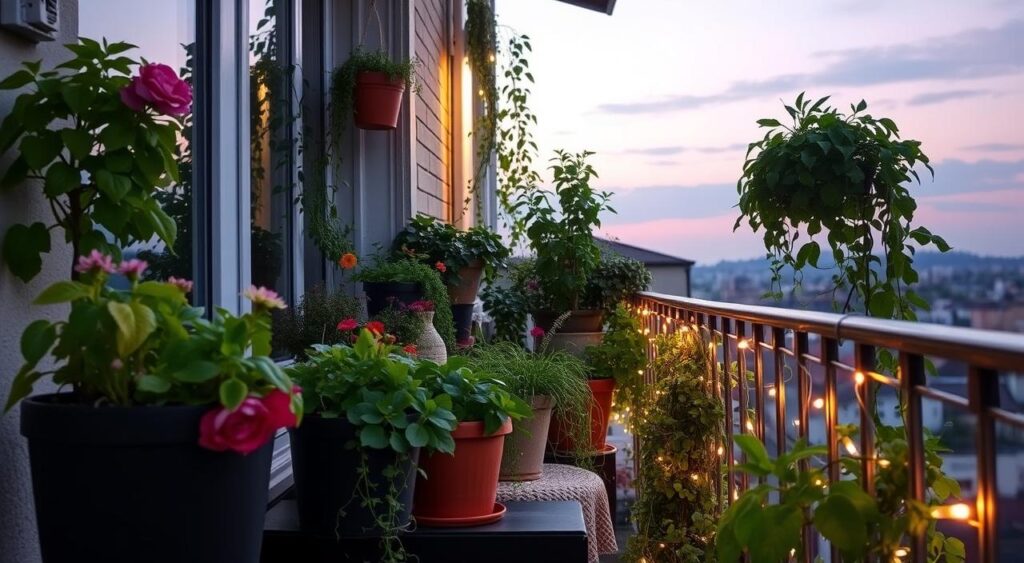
x=433, y=109
x=23, y=204
x=669, y=279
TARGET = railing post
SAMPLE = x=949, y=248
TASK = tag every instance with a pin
x=829, y=354
x=757, y=334
x=911, y=375
x=727, y=402
x=983, y=395
x=741, y=389
x=778, y=343
x=864, y=362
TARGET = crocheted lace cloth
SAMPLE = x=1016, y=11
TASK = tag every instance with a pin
x=565, y=482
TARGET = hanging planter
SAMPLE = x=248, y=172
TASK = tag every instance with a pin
x=378, y=100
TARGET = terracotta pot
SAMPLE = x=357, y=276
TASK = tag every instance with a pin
x=378, y=100
x=463, y=485
x=575, y=343
x=523, y=458
x=465, y=290
x=580, y=320
x=600, y=412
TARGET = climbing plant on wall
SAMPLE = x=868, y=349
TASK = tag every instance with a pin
x=680, y=429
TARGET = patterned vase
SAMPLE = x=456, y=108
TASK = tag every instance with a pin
x=430, y=345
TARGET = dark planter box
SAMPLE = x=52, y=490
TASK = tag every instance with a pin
x=380, y=294
x=326, y=475
x=129, y=484
x=463, y=317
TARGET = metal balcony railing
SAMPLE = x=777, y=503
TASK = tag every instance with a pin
x=770, y=342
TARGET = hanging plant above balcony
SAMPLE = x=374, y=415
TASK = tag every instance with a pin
x=841, y=176
x=371, y=85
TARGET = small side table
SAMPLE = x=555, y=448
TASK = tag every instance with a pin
x=565, y=482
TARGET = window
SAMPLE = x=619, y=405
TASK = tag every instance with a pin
x=165, y=33
x=272, y=147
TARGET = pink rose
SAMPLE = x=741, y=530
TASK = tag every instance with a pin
x=248, y=427
x=536, y=332
x=158, y=85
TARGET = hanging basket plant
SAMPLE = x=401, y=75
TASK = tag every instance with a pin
x=370, y=86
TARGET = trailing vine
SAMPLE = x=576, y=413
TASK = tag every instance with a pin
x=680, y=425
x=482, y=51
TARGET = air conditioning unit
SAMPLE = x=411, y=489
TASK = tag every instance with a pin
x=38, y=20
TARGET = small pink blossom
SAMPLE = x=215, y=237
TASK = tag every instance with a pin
x=532, y=285
x=184, y=285
x=133, y=268
x=116, y=364
x=421, y=306
x=263, y=298
x=96, y=261
x=536, y=332
x=347, y=324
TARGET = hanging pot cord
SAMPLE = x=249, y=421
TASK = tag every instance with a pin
x=372, y=11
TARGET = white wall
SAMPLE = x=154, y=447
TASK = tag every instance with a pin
x=24, y=204
x=671, y=280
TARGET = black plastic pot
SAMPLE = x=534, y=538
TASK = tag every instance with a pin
x=326, y=475
x=129, y=484
x=580, y=320
x=463, y=316
x=380, y=294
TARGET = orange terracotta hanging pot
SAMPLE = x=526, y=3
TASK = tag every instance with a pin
x=378, y=100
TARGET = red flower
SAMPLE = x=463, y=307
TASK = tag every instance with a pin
x=375, y=327
x=248, y=427
x=537, y=332
x=441, y=267
x=347, y=324
x=410, y=349
x=348, y=261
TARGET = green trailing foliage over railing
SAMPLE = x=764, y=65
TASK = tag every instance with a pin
x=679, y=424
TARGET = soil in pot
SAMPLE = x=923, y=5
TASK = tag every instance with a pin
x=378, y=101
x=581, y=320
x=463, y=485
x=126, y=484
x=327, y=474
x=561, y=438
x=465, y=290
x=381, y=294
x=523, y=456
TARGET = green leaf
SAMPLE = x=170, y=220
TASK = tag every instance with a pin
x=114, y=186
x=60, y=179
x=78, y=141
x=272, y=373
x=145, y=324
x=373, y=436
x=769, y=123
x=163, y=225
x=37, y=340
x=16, y=80
x=154, y=384
x=754, y=450
x=197, y=372
x=63, y=292
x=839, y=521
x=417, y=435
x=125, y=319
x=38, y=151
x=21, y=385
x=117, y=135
x=22, y=248
x=232, y=392
x=161, y=290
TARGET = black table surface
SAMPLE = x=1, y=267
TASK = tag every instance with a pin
x=529, y=531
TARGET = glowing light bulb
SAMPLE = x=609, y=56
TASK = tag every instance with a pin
x=695, y=477
x=884, y=463
x=901, y=552
x=796, y=422
x=771, y=391
x=858, y=378
x=750, y=426
x=959, y=511
x=743, y=345
x=849, y=445
x=818, y=403
x=721, y=450
x=490, y=57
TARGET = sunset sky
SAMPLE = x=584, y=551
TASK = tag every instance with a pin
x=667, y=93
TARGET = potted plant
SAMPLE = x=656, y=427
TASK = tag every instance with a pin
x=355, y=456
x=546, y=382
x=166, y=432
x=314, y=321
x=462, y=257
x=404, y=280
x=460, y=488
x=615, y=280
x=562, y=239
x=371, y=85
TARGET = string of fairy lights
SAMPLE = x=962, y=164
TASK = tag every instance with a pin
x=664, y=324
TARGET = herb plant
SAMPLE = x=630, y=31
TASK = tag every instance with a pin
x=314, y=321
x=99, y=150
x=622, y=354
x=435, y=242
x=562, y=238
x=475, y=396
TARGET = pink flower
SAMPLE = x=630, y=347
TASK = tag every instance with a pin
x=96, y=261
x=158, y=85
x=116, y=364
x=441, y=267
x=248, y=427
x=263, y=298
x=184, y=285
x=532, y=285
x=410, y=349
x=347, y=324
x=133, y=268
x=536, y=332
x=421, y=306
x=376, y=327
